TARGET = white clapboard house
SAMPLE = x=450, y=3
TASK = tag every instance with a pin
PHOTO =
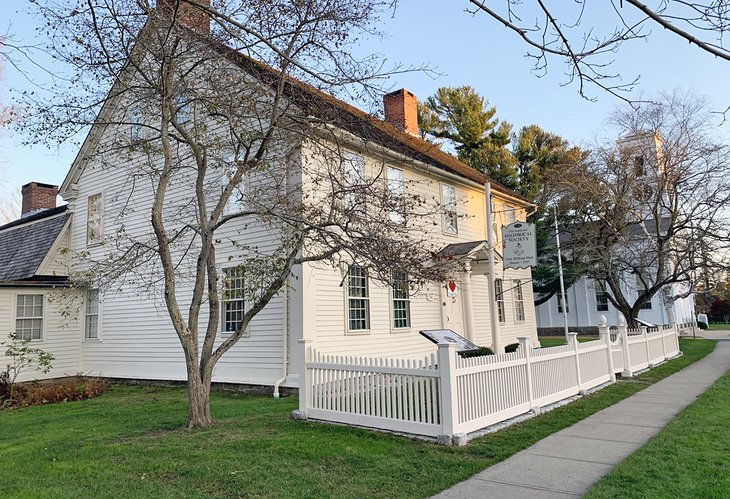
x=119, y=332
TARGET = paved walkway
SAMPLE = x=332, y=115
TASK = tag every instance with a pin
x=569, y=462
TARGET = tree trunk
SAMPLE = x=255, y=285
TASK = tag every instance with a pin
x=198, y=399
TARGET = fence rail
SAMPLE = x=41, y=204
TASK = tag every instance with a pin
x=446, y=396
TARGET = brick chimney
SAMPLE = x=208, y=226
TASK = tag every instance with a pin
x=187, y=14
x=401, y=110
x=37, y=197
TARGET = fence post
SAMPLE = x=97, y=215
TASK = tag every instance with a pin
x=525, y=349
x=573, y=340
x=664, y=346
x=305, y=381
x=449, y=400
x=604, y=333
x=624, y=333
x=644, y=333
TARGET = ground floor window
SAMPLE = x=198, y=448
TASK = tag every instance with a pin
x=233, y=299
x=29, y=317
x=91, y=329
x=358, y=299
x=401, y=301
x=499, y=294
x=519, y=301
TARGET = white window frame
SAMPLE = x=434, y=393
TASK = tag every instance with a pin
x=518, y=298
x=232, y=275
x=450, y=217
x=98, y=220
x=135, y=123
x=90, y=313
x=400, y=279
x=32, y=317
x=499, y=299
x=350, y=298
x=560, y=303
x=600, y=291
x=396, y=184
x=183, y=109
x=236, y=201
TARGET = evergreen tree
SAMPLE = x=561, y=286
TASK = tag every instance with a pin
x=462, y=117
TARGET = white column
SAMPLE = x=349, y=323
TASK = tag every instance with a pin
x=468, y=303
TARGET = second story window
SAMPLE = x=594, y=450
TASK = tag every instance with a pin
x=396, y=194
x=448, y=203
x=358, y=299
x=353, y=182
x=499, y=295
x=135, y=123
x=93, y=219
x=182, y=109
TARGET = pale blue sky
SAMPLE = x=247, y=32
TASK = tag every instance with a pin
x=466, y=49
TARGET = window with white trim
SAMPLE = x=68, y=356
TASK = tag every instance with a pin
x=560, y=304
x=235, y=202
x=601, y=296
x=519, y=300
x=233, y=301
x=641, y=289
x=396, y=194
x=499, y=295
x=91, y=324
x=353, y=166
x=401, y=300
x=29, y=317
x=182, y=109
x=93, y=219
x=358, y=299
x=448, y=202
x=135, y=123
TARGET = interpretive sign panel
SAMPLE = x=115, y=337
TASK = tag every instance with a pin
x=449, y=336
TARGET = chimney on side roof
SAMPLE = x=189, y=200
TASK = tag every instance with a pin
x=401, y=110
x=187, y=14
x=38, y=197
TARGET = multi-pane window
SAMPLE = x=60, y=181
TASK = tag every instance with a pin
x=135, y=120
x=647, y=304
x=353, y=182
x=560, y=304
x=396, y=194
x=519, y=301
x=93, y=219
x=358, y=299
x=601, y=297
x=233, y=299
x=29, y=317
x=182, y=109
x=639, y=168
x=448, y=201
x=641, y=289
x=401, y=300
x=499, y=295
x=235, y=203
x=91, y=329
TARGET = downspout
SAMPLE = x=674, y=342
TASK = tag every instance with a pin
x=285, y=346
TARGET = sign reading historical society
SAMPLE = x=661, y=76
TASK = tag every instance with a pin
x=518, y=244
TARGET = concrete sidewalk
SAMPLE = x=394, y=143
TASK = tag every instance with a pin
x=569, y=462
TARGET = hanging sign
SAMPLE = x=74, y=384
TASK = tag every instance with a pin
x=451, y=289
x=519, y=246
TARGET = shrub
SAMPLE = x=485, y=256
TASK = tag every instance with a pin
x=702, y=325
x=512, y=347
x=21, y=357
x=481, y=351
x=63, y=391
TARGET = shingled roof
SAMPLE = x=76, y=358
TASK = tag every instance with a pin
x=331, y=110
x=24, y=244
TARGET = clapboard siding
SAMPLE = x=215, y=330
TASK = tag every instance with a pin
x=61, y=333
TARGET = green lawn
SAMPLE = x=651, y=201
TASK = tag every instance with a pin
x=554, y=341
x=128, y=443
x=719, y=327
x=689, y=458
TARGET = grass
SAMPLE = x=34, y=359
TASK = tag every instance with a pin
x=688, y=458
x=128, y=442
x=719, y=327
x=555, y=341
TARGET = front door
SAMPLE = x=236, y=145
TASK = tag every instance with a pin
x=452, y=315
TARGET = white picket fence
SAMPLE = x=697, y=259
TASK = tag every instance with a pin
x=447, y=397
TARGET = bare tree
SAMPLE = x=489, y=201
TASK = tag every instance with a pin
x=650, y=210
x=588, y=46
x=228, y=155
